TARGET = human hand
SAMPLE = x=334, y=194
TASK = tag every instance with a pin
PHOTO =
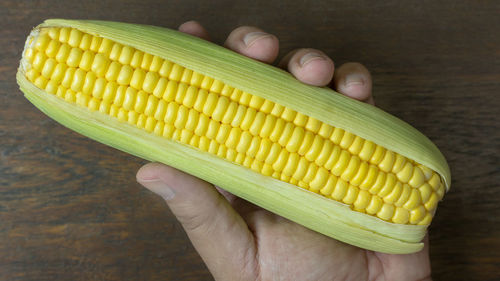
x=240, y=241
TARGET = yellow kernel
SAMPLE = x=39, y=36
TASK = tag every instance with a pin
x=85, y=42
x=171, y=91
x=181, y=117
x=340, y=190
x=95, y=43
x=133, y=117
x=417, y=179
x=106, y=46
x=377, y=155
x=388, y=186
x=51, y=87
x=288, y=114
x=186, y=76
x=150, y=82
x=120, y=95
x=281, y=161
x=223, y=133
x=104, y=107
x=301, y=169
x=295, y=140
x=210, y=103
x=256, y=102
x=238, y=116
x=417, y=214
x=291, y=165
x=329, y=186
x=75, y=36
x=161, y=109
x=352, y=194
x=267, y=127
x=52, y=48
x=78, y=79
x=202, y=126
x=245, y=98
x=314, y=125
x=100, y=65
x=74, y=57
x=333, y=157
x=263, y=151
x=136, y=60
x=387, y=162
x=273, y=153
x=156, y=64
x=375, y=205
x=356, y=145
x=64, y=34
x=192, y=120
x=396, y=192
x=352, y=168
x=277, y=110
x=347, y=140
x=360, y=174
x=399, y=163
x=137, y=78
x=257, y=123
x=414, y=200
x=425, y=192
x=370, y=178
x=267, y=107
x=146, y=61
x=386, y=212
x=94, y=104
x=337, y=135
x=40, y=82
x=140, y=102
x=220, y=108
x=41, y=42
x=176, y=73
x=233, y=138
x=151, y=104
x=125, y=75
x=115, y=54
x=325, y=130
x=315, y=148
x=86, y=60
x=380, y=181
x=54, y=33
x=213, y=127
x=401, y=216
x=99, y=86
x=48, y=68
x=113, y=71
x=164, y=69
x=405, y=194
x=68, y=77
x=88, y=85
x=311, y=172
x=426, y=220
x=150, y=124
x=363, y=199
x=126, y=55
x=38, y=61
x=342, y=163
x=129, y=99
x=82, y=100
x=431, y=204
x=109, y=91
x=405, y=174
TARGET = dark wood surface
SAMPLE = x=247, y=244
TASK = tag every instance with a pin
x=70, y=208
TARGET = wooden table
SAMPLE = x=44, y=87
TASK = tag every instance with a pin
x=70, y=208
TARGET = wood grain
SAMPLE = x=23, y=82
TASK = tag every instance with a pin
x=70, y=208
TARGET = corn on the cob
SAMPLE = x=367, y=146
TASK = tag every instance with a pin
x=110, y=74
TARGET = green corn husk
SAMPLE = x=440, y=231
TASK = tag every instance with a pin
x=304, y=207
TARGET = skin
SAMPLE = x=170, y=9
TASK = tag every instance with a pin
x=240, y=241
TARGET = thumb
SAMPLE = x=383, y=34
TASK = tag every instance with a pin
x=218, y=233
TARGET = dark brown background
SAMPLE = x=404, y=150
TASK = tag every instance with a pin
x=70, y=208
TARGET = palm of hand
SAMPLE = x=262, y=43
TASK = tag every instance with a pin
x=239, y=241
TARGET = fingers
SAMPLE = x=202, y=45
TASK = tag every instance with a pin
x=309, y=66
x=194, y=28
x=217, y=232
x=254, y=43
x=354, y=80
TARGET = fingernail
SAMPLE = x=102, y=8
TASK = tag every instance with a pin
x=159, y=187
x=354, y=79
x=252, y=37
x=307, y=58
